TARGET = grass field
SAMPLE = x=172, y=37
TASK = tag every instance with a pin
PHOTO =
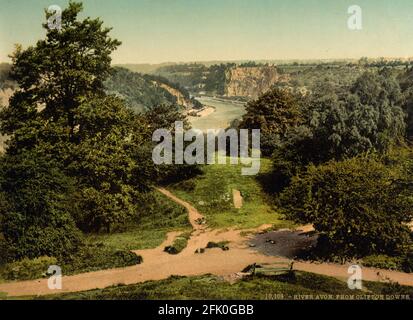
x=151, y=230
x=211, y=194
x=210, y=287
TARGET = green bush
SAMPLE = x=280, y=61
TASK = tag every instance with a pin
x=383, y=262
x=222, y=245
x=27, y=269
x=92, y=257
x=273, y=113
x=358, y=206
x=157, y=212
x=407, y=265
x=179, y=243
x=35, y=208
x=186, y=185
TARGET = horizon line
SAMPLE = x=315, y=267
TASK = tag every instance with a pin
x=409, y=58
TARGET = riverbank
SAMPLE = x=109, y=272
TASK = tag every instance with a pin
x=199, y=113
x=218, y=114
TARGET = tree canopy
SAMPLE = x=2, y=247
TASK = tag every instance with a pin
x=274, y=113
x=65, y=131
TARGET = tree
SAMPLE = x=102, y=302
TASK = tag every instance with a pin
x=406, y=83
x=273, y=113
x=359, y=207
x=163, y=117
x=103, y=164
x=35, y=208
x=343, y=125
x=57, y=75
x=62, y=112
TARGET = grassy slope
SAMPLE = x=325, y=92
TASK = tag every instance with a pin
x=105, y=251
x=151, y=230
x=211, y=194
x=210, y=287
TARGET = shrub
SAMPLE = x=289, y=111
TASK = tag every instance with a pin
x=338, y=124
x=27, y=269
x=222, y=245
x=92, y=257
x=35, y=208
x=179, y=243
x=158, y=211
x=186, y=185
x=358, y=206
x=383, y=262
x=407, y=265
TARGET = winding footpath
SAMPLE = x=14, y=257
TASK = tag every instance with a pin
x=158, y=265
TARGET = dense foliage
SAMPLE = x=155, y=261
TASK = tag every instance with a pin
x=138, y=91
x=274, y=113
x=326, y=171
x=36, y=200
x=342, y=124
x=198, y=77
x=77, y=157
x=359, y=206
x=5, y=80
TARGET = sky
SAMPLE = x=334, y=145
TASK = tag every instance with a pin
x=155, y=31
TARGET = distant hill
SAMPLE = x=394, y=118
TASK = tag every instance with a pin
x=139, y=91
x=246, y=80
x=144, y=67
x=142, y=91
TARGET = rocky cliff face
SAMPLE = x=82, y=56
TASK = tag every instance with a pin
x=180, y=98
x=251, y=82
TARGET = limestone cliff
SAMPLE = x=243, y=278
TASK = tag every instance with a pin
x=251, y=82
x=180, y=98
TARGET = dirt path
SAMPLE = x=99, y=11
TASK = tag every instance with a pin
x=237, y=198
x=193, y=214
x=159, y=265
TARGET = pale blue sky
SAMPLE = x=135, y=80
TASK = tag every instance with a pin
x=200, y=30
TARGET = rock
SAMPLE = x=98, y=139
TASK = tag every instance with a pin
x=200, y=221
x=252, y=81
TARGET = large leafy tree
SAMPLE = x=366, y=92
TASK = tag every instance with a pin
x=57, y=75
x=359, y=206
x=339, y=125
x=104, y=165
x=61, y=111
x=162, y=117
x=273, y=113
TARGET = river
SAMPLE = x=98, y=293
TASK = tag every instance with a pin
x=225, y=112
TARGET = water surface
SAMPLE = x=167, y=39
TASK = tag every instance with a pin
x=225, y=113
